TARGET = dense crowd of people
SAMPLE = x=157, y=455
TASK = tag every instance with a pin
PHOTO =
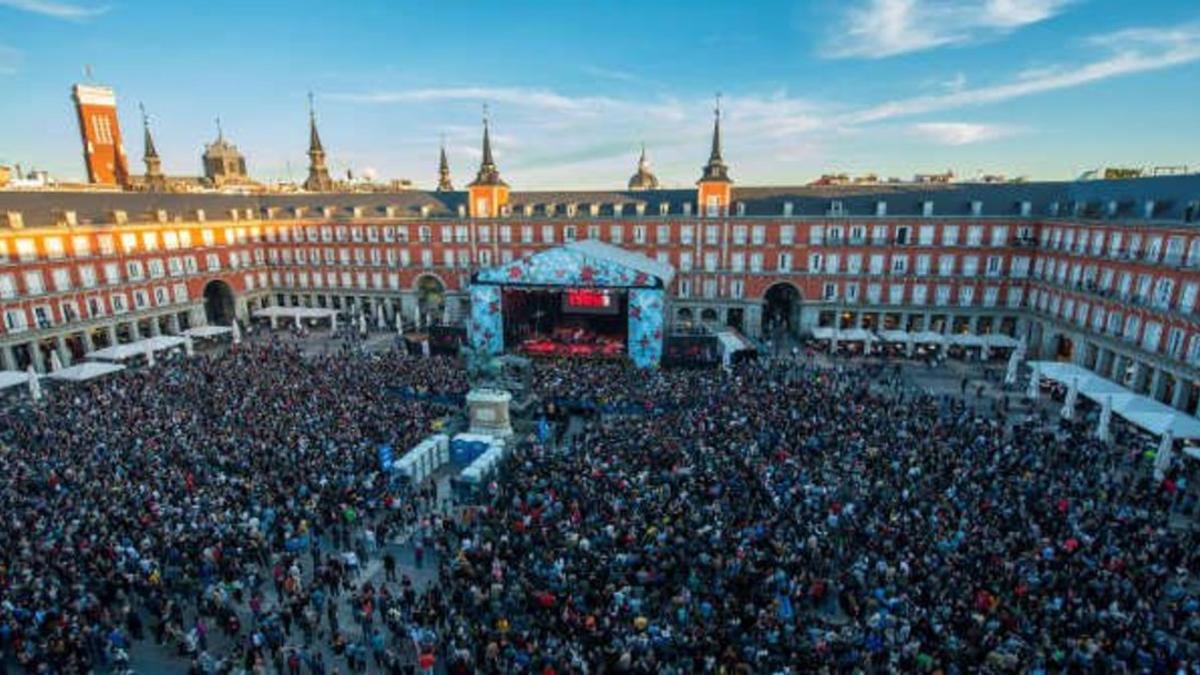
x=777, y=517
x=799, y=519
x=174, y=496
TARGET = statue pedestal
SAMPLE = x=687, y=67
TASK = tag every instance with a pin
x=487, y=410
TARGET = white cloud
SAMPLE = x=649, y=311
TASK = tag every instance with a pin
x=58, y=10
x=1129, y=52
x=876, y=29
x=10, y=60
x=554, y=138
x=960, y=133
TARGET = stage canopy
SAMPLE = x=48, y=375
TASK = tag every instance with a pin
x=137, y=348
x=584, y=264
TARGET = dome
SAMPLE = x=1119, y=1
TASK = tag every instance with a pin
x=643, y=179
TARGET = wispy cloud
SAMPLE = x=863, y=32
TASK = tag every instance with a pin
x=611, y=74
x=58, y=10
x=961, y=133
x=553, y=137
x=876, y=29
x=10, y=59
x=1128, y=52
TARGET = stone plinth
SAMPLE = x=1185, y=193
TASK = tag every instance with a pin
x=487, y=410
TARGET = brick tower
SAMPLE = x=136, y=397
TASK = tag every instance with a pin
x=103, y=151
x=489, y=194
x=714, y=187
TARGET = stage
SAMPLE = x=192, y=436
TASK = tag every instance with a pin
x=585, y=323
x=584, y=300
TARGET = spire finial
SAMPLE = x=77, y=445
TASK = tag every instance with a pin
x=220, y=132
x=717, y=110
x=145, y=118
x=312, y=114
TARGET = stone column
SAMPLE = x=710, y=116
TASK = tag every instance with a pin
x=8, y=360
x=155, y=327
x=35, y=353
x=135, y=333
x=973, y=324
x=111, y=330
x=1157, y=384
x=1179, y=393
x=173, y=324
x=60, y=346
x=1117, y=374
x=89, y=345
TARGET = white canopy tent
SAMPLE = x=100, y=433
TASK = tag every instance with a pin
x=208, y=331
x=274, y=313
x=87, y=370
x=893, y=335
x=13, y=378
x=1154, y=416
x=142, y=347
x=847, y=334
x=928, y=337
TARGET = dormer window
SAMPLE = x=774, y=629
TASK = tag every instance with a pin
x=687, y=208
x=881, y=208
x=571, y=210
x=462, y=209
x=836, y=208
x=594, y=210
x=664, y=208
x=527, y=210
x=1054, y=207
x=1026, y=208
x=640, y=209
x=617, y=209
x=741, y=208
x=1148, y=209
x=548, y=210
x=976, y=208
x=787, y=209
x=927, y=208
x=1112, y=208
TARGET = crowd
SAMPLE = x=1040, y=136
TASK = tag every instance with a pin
x=803, y=520
x=776, y=517
x=174, y=500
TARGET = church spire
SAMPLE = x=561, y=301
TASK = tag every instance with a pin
x=318, y=173
x=488, y=173
x=154, y=175
x=716, y=170
x=444, y=184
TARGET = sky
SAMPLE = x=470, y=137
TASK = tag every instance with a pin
x=1045, y=89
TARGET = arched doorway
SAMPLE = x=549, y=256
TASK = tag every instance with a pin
x=708, y=314
x=218, y=303
x=431, y=294
x=684, y=316
x=782, y=309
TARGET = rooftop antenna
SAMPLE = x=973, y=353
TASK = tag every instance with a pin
x=220, y=132
x=717, y=110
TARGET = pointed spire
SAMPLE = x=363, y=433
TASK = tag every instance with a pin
x=487, y=141
x=318, y=173
x=444, y=184
x=715, y=155
x=488, y=173
x=148, y=141
x=220, y=132
x=716, y=171
x=314, y=139
x=154, y=179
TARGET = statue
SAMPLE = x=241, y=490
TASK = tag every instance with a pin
x=483, y=369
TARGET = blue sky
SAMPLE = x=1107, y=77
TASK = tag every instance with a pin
x=1041, y=88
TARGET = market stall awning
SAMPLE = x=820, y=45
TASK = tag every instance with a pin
x=295, y=312
x=87, y=370
x=894, y=335
x=207, y=331
x=1000, y=341
x=137, y=348
x=1154, y=416
x=928, y=337
x=13, y=378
